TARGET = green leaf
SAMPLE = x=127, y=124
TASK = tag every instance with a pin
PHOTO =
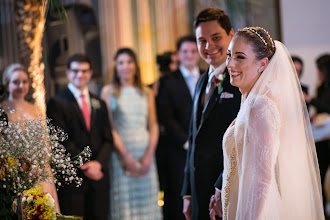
x=54, y=5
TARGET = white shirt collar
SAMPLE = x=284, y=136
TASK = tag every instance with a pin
x=77, y=92
x=185, y=72
x=219, y=70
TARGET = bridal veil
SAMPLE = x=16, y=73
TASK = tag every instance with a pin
x=286, y=129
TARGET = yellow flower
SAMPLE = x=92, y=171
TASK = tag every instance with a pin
x=40, y=201
x=11, y=162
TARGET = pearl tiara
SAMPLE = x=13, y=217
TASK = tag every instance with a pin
x=256, y=33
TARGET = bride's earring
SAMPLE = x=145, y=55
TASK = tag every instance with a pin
x=259, y=71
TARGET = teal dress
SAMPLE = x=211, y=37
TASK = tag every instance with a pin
x=132, y=198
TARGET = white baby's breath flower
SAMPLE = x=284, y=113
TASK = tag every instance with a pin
x=37, y=146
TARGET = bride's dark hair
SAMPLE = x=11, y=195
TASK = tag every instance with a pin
x=262, y=43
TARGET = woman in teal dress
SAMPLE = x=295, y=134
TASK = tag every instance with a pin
x=134, y=181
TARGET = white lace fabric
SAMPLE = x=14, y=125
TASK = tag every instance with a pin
x=277, y=175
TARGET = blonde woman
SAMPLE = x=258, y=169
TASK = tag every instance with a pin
x=17, y=83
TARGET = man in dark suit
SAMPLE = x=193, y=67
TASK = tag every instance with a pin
x=174, y=105
x=215, y=106
x=84, y=117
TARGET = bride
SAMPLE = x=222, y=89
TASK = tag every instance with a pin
x=270, y=164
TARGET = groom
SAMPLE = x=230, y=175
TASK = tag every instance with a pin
x=212, y=113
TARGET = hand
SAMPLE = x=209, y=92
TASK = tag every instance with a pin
x=92, y=170
x=146, y=162
x=187, y=208
x=132, y=167
x=215, y=206
x=186, y=145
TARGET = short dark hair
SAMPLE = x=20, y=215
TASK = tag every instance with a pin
x=164, y=60
x=297, y=59
x=80, y=58
x=188, y=38
x=323, y=64
x=214, y=14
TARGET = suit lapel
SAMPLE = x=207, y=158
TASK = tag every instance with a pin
x=93, y=110
x=210, y=104
x=75, y=107
x=198, y=99
x=213, y=100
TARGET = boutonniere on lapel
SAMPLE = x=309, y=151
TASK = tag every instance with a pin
x=95, y=104
x=218, y=80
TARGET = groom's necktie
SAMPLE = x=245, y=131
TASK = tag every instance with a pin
x=86, y=112
x=209, y=89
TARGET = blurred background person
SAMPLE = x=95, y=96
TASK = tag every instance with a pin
x=84, y=117
x=299, y=66
x=174, y=106
x=17, y=83
x=167, y=63
x=322, y=117
x=134, y=185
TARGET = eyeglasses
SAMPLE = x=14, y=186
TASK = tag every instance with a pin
x=75, y=71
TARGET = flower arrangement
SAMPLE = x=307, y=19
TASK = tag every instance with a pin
x=218, y=80
x=38, y=205
x=31, y=152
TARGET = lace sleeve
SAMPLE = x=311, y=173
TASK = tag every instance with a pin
x=259, y=152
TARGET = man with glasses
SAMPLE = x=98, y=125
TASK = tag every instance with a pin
x=83, y=116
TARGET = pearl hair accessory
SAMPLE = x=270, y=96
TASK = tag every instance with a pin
x=256, y=33
x=270, y=38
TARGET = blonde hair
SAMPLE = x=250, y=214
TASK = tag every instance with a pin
x=10, y=70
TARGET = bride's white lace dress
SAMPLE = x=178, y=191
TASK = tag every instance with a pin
x=270, y=163
x=263, y=194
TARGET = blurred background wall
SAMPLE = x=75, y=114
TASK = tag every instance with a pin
x=150, y=27
x=306, y=33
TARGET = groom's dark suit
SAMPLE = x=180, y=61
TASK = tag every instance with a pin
x=92, y=198
x=204, y=157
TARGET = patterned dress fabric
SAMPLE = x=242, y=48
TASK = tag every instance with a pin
x=132, y=198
